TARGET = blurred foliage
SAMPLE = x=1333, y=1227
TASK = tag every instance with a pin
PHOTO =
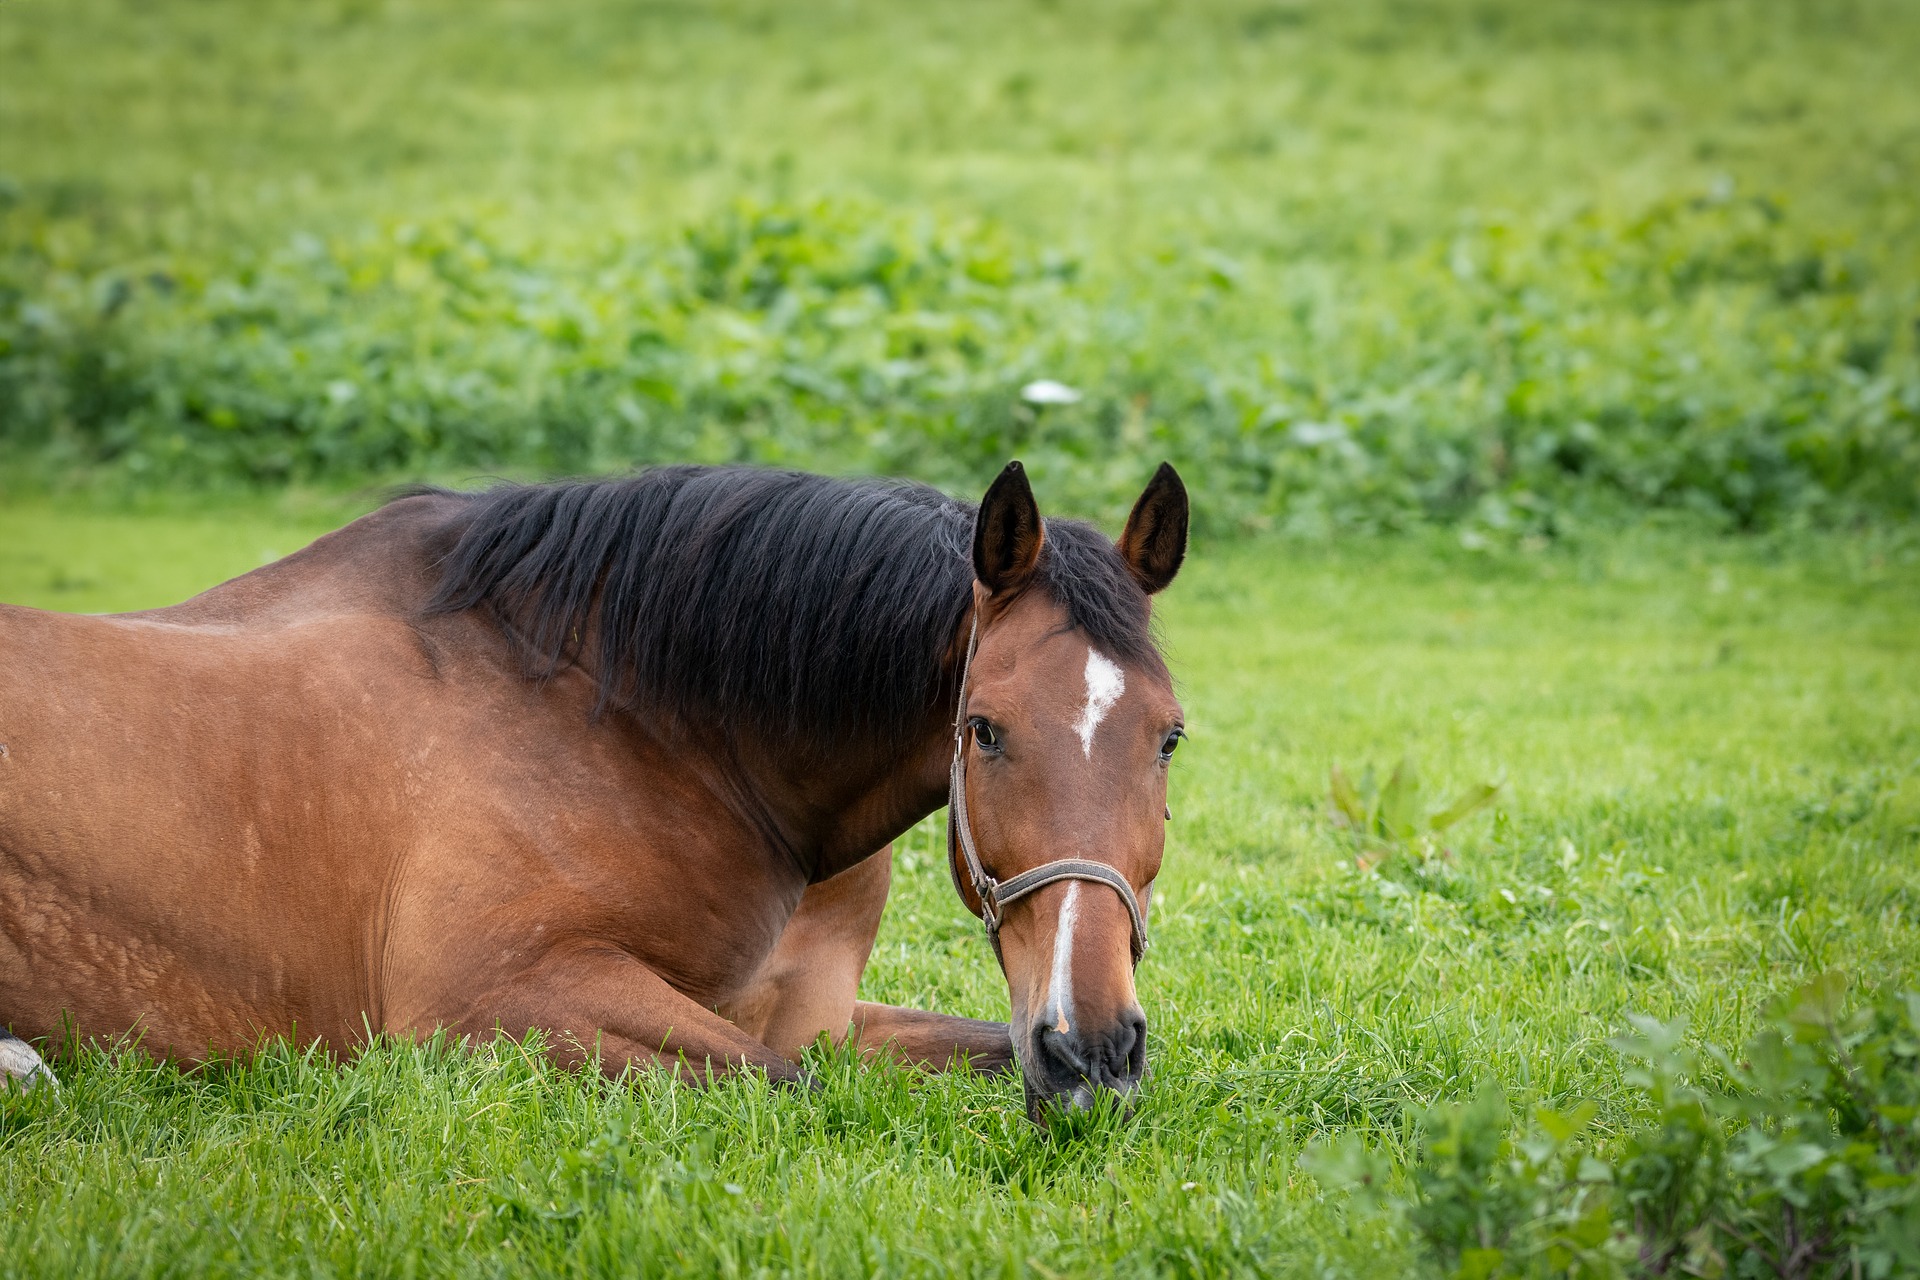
x=1703, y=354
x=1510, y=267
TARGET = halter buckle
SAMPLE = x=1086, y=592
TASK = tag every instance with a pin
x=989, y=895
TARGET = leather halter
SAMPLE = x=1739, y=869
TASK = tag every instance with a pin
x=995, y=895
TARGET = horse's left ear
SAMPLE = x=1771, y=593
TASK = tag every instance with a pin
x=1155, y=539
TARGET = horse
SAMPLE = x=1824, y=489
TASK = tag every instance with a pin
x=618, y=761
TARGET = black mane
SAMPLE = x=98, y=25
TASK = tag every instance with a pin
x=804, y=606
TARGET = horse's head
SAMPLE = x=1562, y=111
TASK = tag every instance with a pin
x=1068, y=725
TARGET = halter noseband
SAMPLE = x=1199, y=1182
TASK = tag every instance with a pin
x=996, y=896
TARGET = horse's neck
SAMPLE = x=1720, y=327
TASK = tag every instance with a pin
x=835, y=809
x=835, y=805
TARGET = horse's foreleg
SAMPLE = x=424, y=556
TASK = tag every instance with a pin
x=20, y=1066
x=937, y=1040
x=808, y=985
x=811, y=982
x=599, y=1004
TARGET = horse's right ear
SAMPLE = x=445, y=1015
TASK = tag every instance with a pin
x=1007, y=533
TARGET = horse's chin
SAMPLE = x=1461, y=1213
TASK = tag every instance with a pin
x=1044, y=1103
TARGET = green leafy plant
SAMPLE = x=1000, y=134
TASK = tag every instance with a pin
x=1484, y=1199
x=1828, y=1150
x=1803, y=1162
x=1670, y=1169
x=1490, y=1202
x=1381, y=821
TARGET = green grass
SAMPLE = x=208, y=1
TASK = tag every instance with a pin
x=1711, y=755
x=112, y=558
x=1276, y=121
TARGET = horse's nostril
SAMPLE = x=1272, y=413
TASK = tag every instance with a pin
x=1115, y=1058
x=1061, y=1055
x=1130, y=1047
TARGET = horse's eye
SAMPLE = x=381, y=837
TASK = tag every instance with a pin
x=986, y=735
x=1173, y=740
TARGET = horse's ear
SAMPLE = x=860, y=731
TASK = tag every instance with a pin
x=1007, y=533
x=1155, y=539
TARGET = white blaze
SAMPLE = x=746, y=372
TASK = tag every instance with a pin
x=1060, y=987
x=1105, y=684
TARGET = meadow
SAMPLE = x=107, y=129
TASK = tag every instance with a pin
x=1710, y=795
x=1548, y=381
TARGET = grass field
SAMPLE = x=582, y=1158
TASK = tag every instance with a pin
x=1475, y=326
x=1711, y=765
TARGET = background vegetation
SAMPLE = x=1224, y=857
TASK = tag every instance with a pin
x=1349, y=265
x=1581, y=283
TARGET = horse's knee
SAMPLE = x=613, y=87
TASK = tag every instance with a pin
x=20, y=1067
x=809, y=984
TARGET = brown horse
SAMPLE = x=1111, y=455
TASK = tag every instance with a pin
x=618, y=760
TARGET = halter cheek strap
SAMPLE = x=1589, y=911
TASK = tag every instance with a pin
x=996, y=896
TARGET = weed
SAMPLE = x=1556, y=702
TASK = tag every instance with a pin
x=1805, y=1162
x=1383, y=821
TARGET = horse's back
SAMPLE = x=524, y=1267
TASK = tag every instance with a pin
x=185, y=790
x=380, y=565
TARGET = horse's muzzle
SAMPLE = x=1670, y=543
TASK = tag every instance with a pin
x=1071, y=1068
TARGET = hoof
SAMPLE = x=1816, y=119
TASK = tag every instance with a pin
x=21, y=1069
x=992, y=1062
x=796, y=1081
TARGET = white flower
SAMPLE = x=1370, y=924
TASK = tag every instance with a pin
x=1314, y=433
x=1047, y=391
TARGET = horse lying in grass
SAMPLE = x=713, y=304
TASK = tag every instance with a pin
x=619, y=760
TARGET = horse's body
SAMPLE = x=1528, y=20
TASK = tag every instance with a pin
x=326, y=798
